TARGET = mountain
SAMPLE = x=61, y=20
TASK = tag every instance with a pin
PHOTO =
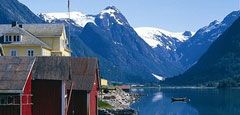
x=158, y=37
x=115, y=40
x=221, y=61
x=169, y=54
x=12, y=10
x=124, y=56
x=78, y=18
x=191, y=50
x=163, y=42
x=185, y=48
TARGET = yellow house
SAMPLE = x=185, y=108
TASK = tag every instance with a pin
x=104, y=82
x=34, y=40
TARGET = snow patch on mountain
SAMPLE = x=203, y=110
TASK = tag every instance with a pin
x=113, y=12
x=158, y=77
x=213, y=25
x=79, y=18
x=152, y=36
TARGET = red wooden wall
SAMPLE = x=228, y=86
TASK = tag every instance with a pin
x=27, y=97
x=93, y=98
x=46, y=97
x=79, y=102
x=26, y=102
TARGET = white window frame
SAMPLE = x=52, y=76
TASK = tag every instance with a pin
x=11, y=52
x=6, y=38
x=30, y=52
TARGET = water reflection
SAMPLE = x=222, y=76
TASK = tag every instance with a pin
x=137, y=90
x=203, y=102
x=157, y=96
x=155, y=102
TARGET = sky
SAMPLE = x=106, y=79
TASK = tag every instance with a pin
x=171, y=15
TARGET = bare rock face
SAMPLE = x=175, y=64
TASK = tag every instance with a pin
x=12, y=10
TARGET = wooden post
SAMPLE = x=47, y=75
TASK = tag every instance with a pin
x=69, y=98
x=20, y=104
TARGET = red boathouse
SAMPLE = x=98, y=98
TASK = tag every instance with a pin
x=48, y=86
x=85, y=86
x=15, y=85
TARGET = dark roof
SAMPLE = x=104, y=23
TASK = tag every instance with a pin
x=31, y=33
x=38, y=30
x=51, y=68
x=14, y=72
x=83, y=73
x=27, y=39
x=45, y=30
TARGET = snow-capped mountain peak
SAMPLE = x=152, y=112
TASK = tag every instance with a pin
x=79, y=18
x=188, y=33
x=157, y=36
x=111, y=12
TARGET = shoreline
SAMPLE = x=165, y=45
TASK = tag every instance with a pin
x=174, y=87
x=183, y=87
x=120, y=102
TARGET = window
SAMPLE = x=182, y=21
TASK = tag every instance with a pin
x=13, y=52
x=14, y=38
x=3, y=100
x=10, y=38
x=18, y=38
x=30, y=52
x=9, y=100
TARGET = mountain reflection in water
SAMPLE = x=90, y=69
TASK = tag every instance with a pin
x=203, y=102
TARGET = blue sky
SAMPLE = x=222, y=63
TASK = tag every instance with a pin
x=172, y=15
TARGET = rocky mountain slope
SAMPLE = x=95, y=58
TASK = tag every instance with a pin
x=124, y=56
x=196, y=46
x=221, y=61
x=12, y=10
x=161, y=53
x=165, y=43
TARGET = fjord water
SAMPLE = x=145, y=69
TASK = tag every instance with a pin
x=203, y=102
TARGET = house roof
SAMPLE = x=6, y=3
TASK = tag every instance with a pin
x=51, y=68
x=83, y=73
x=27, y=39
x=45, y=30
x=14, y=72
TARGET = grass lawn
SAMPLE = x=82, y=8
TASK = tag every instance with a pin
x=104, y=105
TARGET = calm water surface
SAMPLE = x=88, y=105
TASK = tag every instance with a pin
x=203, y=102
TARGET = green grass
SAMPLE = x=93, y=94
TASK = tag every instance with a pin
x=104, y=105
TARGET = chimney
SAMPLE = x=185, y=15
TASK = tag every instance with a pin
x=20, y=26
x=14, y=24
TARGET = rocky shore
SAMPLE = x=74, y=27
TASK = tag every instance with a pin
x=120, y=102
x=117, y=112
